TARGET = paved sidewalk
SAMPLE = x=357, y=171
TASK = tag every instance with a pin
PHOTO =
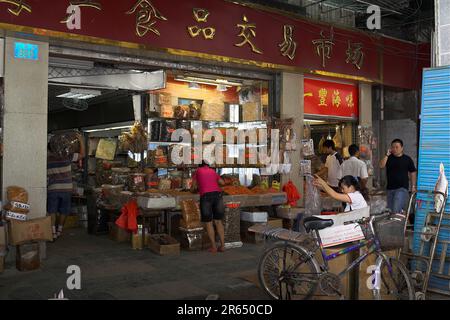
x=115, y=271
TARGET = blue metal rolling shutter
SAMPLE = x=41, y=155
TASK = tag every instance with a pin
x=434, y=148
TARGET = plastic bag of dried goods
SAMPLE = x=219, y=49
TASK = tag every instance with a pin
x=17, y=194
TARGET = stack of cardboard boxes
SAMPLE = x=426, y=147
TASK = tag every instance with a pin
x=22, y=232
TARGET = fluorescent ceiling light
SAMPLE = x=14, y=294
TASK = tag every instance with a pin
x=108, y=129
x=194, y=86
x=208, y=81
x=221, y=87
x=81, y=94
x=314, y=121
x=70, y=63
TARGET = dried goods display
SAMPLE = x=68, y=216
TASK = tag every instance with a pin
x=136, y=140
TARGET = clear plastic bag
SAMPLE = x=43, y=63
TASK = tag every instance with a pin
x=378, y=206
x=313, y=201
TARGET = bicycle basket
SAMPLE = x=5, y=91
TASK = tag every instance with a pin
x=390, y=232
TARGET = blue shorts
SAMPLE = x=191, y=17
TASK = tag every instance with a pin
x=59, y=202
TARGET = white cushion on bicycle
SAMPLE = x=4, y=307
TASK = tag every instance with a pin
x=337, y=235
x=351, y=216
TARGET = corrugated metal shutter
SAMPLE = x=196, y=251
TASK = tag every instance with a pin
x=434, y=148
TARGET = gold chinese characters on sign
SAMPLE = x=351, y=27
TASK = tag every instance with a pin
x=145, y=11
x=289, y=46
x=355, y=55
x=247, y=32
x=80, y=4
x=349, y=100
x=336, y=99
x=324, y=46
x=323, y=93
x=201, y=15
x=19, y=6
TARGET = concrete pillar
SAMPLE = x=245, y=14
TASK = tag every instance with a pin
x=442, y=37
x=365, y=104
x=365, y=117
x=292, y=106
x=25, y=125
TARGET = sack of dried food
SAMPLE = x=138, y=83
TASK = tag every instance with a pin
x=165, y=184
x=182, y=112
x=190, y=214
x=17, y=194
x=194, y=110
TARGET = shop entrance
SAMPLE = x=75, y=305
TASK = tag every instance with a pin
x=126, y=116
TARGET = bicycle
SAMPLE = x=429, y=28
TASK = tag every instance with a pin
x=287, y=269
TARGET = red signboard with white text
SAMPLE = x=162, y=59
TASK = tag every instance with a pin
x=323, y=98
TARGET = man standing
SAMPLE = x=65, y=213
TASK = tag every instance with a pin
x=333, y=168
x=400, y=170
x=60, y=186
x=211, y=203
x=355, y=167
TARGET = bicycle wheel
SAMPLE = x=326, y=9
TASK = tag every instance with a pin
x=397, y=284
x=286, y=271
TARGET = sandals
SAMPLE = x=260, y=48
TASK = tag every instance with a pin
x=212, y=250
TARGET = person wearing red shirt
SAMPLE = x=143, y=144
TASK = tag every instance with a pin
x=208, y=183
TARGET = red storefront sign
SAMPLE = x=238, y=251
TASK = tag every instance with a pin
x=324, y=98
x=224, y=31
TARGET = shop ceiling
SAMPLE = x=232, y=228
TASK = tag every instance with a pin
x=77, y=84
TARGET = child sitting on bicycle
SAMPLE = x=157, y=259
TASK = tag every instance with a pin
x=352, y=194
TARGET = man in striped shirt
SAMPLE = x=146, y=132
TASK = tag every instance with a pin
x=59, y=187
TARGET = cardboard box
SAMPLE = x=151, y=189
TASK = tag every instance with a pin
x=2, y=257
x=71, y=222
x=365, y=274
x=28, y=257
x=248, y=236
x=170, y=247
x=118, y=234
x=336, y=266
x=275, y=222
x=3, y=236
x=31, y=230
x=191, y=240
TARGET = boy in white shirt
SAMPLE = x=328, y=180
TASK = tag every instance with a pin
x=333, y=168
x=355, y=167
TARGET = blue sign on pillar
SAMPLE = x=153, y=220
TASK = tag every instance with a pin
x=26, y=51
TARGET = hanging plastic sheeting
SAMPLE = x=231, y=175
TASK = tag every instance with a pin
x=441, y=186
x=313, y=201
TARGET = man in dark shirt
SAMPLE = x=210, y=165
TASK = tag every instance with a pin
x=400, y=170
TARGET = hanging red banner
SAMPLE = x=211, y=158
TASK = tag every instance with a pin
x=324, y=98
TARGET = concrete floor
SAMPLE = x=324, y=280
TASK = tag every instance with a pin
x=111, y=270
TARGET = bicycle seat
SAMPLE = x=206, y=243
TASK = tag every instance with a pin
x=314, y=223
